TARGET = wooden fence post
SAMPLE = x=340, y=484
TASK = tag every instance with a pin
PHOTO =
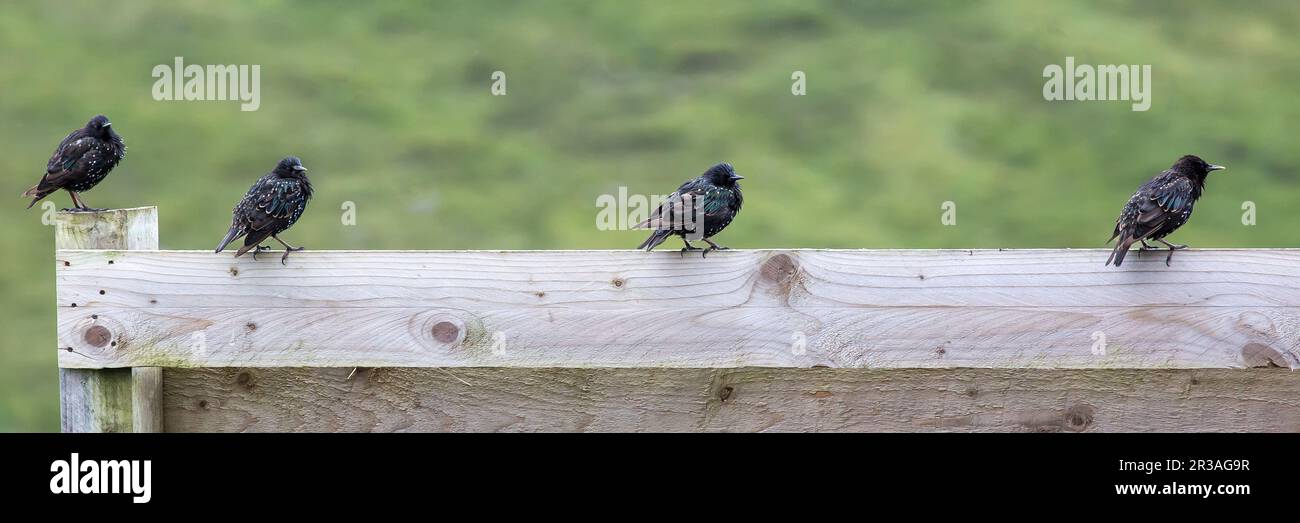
x=109, y=400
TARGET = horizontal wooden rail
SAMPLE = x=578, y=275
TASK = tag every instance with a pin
x=1041, y=309
x=739, y=400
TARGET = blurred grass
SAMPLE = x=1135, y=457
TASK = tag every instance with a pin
x=909, y=104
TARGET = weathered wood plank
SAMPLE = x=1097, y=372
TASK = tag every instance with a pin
x=100, y=400
x=619, y=279
x=97, y=400
x=795, y=308
x=747, y=399
x=869, y=337
x=146, y=399
x=117, y=229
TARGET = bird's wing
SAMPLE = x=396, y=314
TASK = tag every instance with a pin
x=273, y=204
x=705, y=200
x=1169, y=200
x=75, y=150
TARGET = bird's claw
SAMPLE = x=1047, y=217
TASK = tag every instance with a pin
x=713, y=247
x=259, y=248
x=286, y=254
x=1173, y=247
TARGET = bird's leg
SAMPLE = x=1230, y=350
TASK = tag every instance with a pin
x=688, y=247
x=1145, y=247
x=712, y=247
x=80, y=206
x=76, y=203
x=260, y=248
x=287, y=249
x=1172, y=248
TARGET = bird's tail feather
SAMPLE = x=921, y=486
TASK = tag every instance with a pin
x=654, y=240
x=1121, y=250
x=35, y=194
x=231, y=235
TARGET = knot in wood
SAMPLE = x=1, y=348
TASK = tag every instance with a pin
x=1257, y=355
x=778, y=268
x=446, y=332
x=97, y=336
x=1079, y=417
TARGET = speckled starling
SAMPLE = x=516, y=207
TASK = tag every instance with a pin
x=1160, y=207
x=81, y=161
x=271, y=206
x=712, y=200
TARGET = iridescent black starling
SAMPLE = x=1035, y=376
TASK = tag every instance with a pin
x=271, y=206
x=1160, y=207
x=80, y=162
x=712, y=200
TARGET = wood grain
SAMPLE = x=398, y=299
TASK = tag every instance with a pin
x=95, y=400
x=146, y=399
x=742, y=400
x=120, y=229
x=100, y=400
x=770, y=308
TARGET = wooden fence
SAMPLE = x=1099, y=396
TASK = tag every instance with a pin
x=785, y=340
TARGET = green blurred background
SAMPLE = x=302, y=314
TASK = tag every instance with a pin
x=909, y=104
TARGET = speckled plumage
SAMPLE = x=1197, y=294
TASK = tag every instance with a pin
x=1160, y=206
x=272, y=205
x=82, y=160
x=714, y=196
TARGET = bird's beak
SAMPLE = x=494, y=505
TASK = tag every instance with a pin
x=737, y=177
x=1217, y=167
x=109, y=124
x=299, y=168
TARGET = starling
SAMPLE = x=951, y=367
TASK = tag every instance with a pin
x=80, y=162
x=711, y=200
x=271, y=206
x=1160, y=207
